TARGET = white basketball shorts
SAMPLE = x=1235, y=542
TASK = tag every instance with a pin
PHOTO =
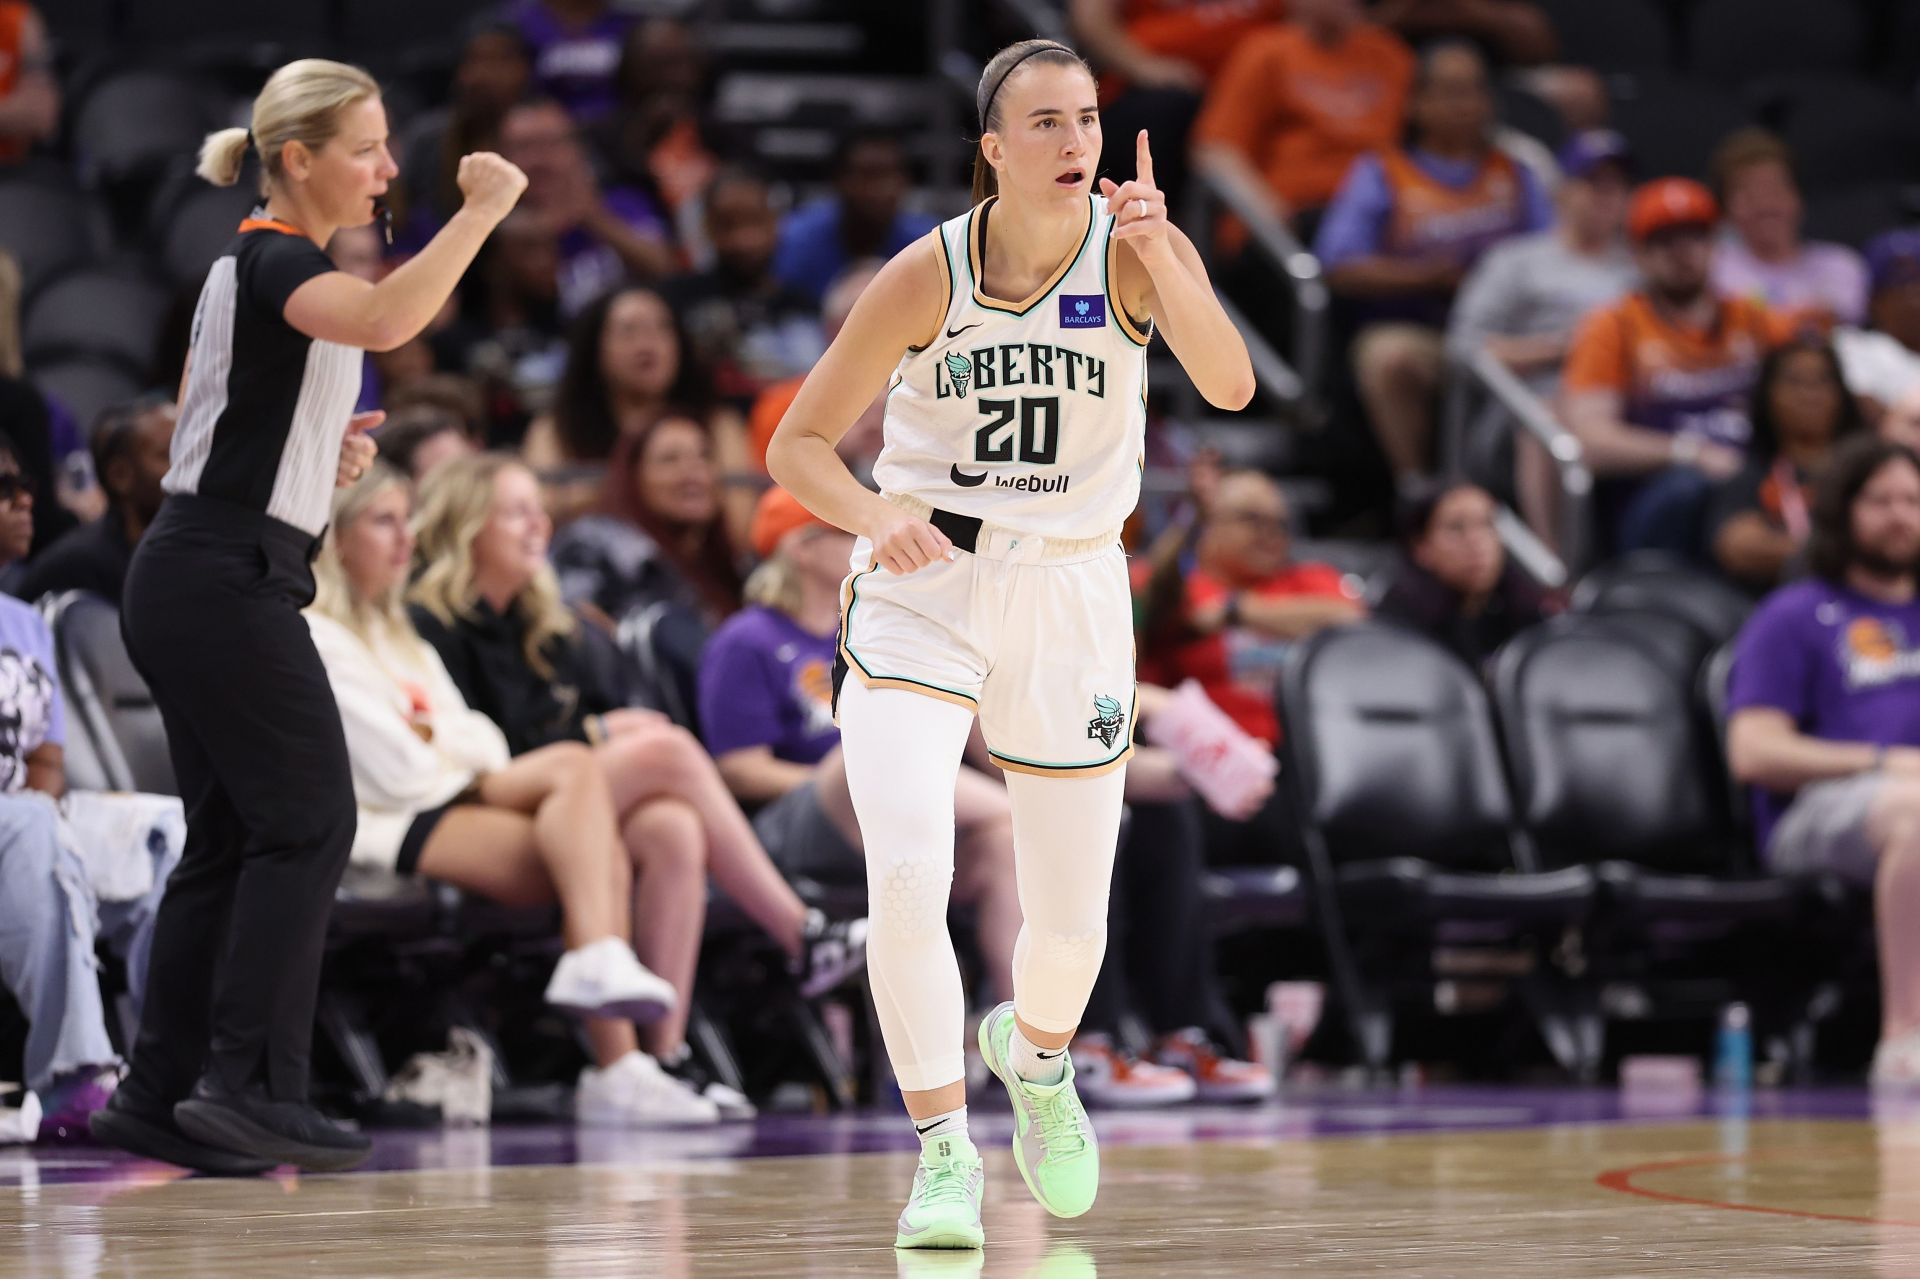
x=1033, y=634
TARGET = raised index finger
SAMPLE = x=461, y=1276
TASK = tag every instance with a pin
x=1143, y=160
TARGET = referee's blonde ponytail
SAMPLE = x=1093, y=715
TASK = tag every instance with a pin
x=301, y=102
x=221, y=156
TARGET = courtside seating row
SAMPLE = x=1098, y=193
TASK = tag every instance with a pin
x=385, y=927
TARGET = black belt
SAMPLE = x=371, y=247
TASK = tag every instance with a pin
x=962, y=530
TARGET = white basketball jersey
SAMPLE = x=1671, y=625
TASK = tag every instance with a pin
x=1031, y=416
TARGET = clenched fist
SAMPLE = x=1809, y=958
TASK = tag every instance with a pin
x=490, y=184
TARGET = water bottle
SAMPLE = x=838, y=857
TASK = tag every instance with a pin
x=1733, y=1049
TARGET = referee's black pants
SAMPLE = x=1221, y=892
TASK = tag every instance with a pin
x=212, y=619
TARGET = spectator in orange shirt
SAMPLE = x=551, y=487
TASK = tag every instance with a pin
x=1299, y=102
x=1246, y=602
x=1156, y=58
x=1404, y=230
x=1657, y=385
x=860, y=446
x=29, y=95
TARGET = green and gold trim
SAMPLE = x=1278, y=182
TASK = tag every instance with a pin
x=976, y=251
x=849, y=596
x=1038, y=768
x=946, y=303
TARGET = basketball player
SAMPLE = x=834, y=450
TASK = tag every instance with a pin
x=988, y=580
x=212, y=619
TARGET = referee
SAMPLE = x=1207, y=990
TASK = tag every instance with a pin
x=212, y=618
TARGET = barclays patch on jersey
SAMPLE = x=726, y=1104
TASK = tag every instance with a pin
x=1083, y=311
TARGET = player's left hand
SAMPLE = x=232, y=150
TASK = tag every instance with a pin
x=1139, y=207
x=358, y=450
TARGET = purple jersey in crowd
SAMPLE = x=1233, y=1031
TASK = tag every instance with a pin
x=574, y=66
x=766, y=682
x=1846, y=668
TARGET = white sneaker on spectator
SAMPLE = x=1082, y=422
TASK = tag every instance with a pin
x=1108, y=1077
x=606, y=979
x=1896, y=1063
x=634, y=1092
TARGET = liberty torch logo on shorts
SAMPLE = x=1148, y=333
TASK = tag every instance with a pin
x=1083, y=311
x=1106, y=721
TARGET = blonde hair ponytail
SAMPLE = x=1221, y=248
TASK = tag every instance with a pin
x=221, y=156
x=301, y=102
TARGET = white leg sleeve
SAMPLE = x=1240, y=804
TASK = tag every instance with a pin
x=902, y=753
x=1065, y=830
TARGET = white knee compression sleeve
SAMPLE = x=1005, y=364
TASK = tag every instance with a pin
x=902, y=754
x=1065, y=830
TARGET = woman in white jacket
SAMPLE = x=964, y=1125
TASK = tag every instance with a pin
x=439, y=796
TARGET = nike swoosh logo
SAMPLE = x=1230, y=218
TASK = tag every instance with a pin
x=1048, y=1056
x=929, y=1128
x=964, y=480
x=954, y=333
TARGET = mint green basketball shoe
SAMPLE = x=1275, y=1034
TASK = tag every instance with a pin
x=944, y=1209
x=1053, y=1140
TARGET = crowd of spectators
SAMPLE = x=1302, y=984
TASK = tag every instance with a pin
x=579, y=439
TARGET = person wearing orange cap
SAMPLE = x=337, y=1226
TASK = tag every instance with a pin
x=1656, y=385
x=766, y=712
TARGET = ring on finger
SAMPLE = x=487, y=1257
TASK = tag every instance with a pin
x=1142, y=206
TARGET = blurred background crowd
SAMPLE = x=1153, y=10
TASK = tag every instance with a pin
x=1557, y=307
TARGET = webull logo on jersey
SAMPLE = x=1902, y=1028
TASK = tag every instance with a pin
x=1011, y=364
x=1078, y=311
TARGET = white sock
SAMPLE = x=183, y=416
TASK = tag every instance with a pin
x=953, y=1123
x=1035, y=1064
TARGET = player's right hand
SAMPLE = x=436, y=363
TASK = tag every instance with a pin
x=904, y=544
x=491, y=185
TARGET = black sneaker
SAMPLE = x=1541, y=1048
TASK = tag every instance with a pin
x=154, y=1135
x=249, y=1122
x=683, y=1066
x=832, y=951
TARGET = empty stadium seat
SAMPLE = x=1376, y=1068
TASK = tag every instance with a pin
x=1736, y=40
x=48, y=224
x=382, y=26
x=133, y=123
x=306, y=23
x=1612, y=769
x=85, y=385
x=1857, y=213
x=1674, y=124
x=1620, y=35
x=115, y=314
x=1652, y=581
x=106, y=698
x=1845, y=130
x=198, y=226
x=1407, y=822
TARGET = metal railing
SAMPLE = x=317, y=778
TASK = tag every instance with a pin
x=1480, y=379
x=1293, y=379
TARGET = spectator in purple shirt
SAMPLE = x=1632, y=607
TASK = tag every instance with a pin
x=576, y=50
x=1825, y=717
x=606, y=234
x=766, y=708
x=1763, y=257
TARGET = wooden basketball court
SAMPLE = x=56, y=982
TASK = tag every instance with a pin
x=1451, y=1183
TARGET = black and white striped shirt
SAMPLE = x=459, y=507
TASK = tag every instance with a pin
x=266, y=406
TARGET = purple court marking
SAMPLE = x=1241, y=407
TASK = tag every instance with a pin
x=1300, y=1115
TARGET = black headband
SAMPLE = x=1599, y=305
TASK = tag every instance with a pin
x=986, y=107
